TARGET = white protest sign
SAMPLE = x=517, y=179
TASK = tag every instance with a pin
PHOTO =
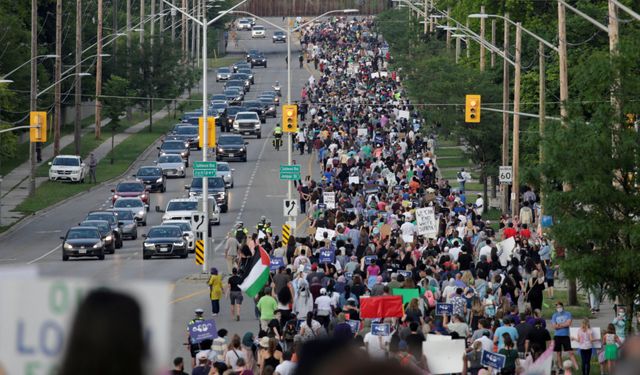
x=432, y=337
x=362, y=132
x=329, y=199
x=321, y=231
x=354, y=180
x=37, y=316
x=427, y=225
x=375, y=75
x=444, y=357
x=505, y=250
x=596, y=335
x=384, y=74
x=403, y=114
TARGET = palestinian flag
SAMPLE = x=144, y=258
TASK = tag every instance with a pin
x=256, y=273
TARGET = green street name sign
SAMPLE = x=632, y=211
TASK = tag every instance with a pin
x=289, y=172
x=205, y=165
x=204, y=173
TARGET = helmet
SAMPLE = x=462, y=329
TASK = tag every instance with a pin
x=239, y=224
x=263, y=218
x=277, y=83
x=199, y=311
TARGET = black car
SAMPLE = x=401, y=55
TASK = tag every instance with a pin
x=175, y=147
x=152, y=178
x=112, y=218
x=191, y=117
x=106, y=233
x=234, y=95
x=258, y=60
x=218, y=97
x=165, y=240
x=273, y=95
x=252, y=52
x=269, y=106
x=231, y=146
x=257, y=107
x=240, y=84
x=82, y=242
x=217, y=188
x=279, y=36
x=244, y=78
x=241, y=65
x=248, y=72
x=231, y=114
x=187, y=133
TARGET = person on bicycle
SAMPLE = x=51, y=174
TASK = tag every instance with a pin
x=277, y=134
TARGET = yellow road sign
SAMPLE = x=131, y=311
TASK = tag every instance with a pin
x=286, y=233
x=200, y=252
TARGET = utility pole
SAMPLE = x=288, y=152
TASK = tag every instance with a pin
x=482, y=37
x=152, y=13
x=448, y=31
x=115, y=30
x=141, y=33
x=161, y=11
x=57, y=117
x=614, y=52
x=130, y=76
x=542, y=114
x=99, y=74
x=192, y=53
x=196, y=11
x=468, y=42
x=173, y=22
x=33, y=95
x=504, y=204
x=458, y=43
x=78, y=84
x=493, y=41
x=183, y=32
x=426, y=16
x=515, y=193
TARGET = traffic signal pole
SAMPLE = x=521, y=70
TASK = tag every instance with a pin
x=290, y=137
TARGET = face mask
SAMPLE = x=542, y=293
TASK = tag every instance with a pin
x=559, y=309
x=621, y=313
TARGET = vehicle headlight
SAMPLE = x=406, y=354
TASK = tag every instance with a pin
x=220, y=149
x=242, y=149
x=159, y=180
x=179, y=243
x=148, y=245
x=67, y=246
x=184, y=153
x=116, y=196
x=141, y=212
x=108, y=238
x=257, y=126
x=97, y=245
x=180, y=167
x=236, y=125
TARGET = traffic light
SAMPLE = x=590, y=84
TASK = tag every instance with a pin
x=472, y=109
x=211, y=131
x=38, y=132
x=290, y=118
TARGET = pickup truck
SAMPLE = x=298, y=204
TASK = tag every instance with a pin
x=247, y=123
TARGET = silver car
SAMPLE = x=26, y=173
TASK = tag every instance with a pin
x=136, y=206
x=226, y=172
x=185, y=225
x=129, y=224
x=172, y=165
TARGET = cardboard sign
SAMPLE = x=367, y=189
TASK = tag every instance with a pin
x=444, y=357
x=406, y=274
x=363, y=132
x=432, y=337
x=595, y=332
x=276, y=263
x=403, y=114
x=385, y=230
x=329, y=199
x=320, y=234
x=380, y=329
x=37, y=317
x=444, y=308
x=407, y=294
x=354, y=180
x=505, y=250
x=493, y=360
x=369, y=259
x=201, y=330
x=355, y=325
x=327, y=256
x=427, y=225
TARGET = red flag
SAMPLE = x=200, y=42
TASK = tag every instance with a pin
x=381, y=307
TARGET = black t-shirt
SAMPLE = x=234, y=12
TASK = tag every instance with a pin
x=234, y=282
x=414, y=342
x=465, y=260
x=177, y=372
x=539, y=336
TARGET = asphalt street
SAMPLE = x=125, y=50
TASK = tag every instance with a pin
x=257, y=192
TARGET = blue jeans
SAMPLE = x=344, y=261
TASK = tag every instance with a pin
x=215, y=306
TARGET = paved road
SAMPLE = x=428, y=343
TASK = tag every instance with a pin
x=257, y=192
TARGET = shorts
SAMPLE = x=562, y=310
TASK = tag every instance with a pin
x=236, y=298
x=549, y=282
x=562, y=343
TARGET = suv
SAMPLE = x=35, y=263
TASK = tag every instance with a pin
x=231, y=146
x=68, y=168
x=175, y=147
x=165, y=240
x=247, y=123
x=258, y=31
x=184, y=208
x=257, y=107
x=216, y=188
x=258, y=60
x=188, y=134
x=279, y=36
x=130, y=189
x=112, y=218
x=243, y=24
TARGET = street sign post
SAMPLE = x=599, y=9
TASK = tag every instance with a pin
x=205, y=168
x=290, y=207
x=505, y=174
x=289, y=172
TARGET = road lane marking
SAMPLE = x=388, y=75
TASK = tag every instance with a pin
x=45, y=255
x=250, y=184
x=189, y=296
x=48, y=231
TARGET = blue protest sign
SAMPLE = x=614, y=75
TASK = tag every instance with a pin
x=406, y=274
x=547, y=221
x=355, y=325
x=327, y=256
x=379, y=139
x=444, y=308
x=380, y=329
x=276, y=263
x=493, y=360
x=348, y=275
x=201, y=330
x=369, y=259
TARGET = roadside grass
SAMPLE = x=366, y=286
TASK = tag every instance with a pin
x=579, y=312
x=448, y=152
x=125, y=154
x=473, y=186
x=446, y=142
x=461, y=162
x=450, y=174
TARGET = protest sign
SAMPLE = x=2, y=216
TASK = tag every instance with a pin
x=427, y=225
x=407, y=294
x=403, y=114
x=201, y=330
x=321, y=231
x=368, y=259
x=493, y=360
x=355, y=325
x=276, y=263
x=354, y=180
x=444, y=357
x=329, y=199
x=432, y=337
x=380, y=329
x=362, y=132
x=327, y=256
x=406, y=274
x=444, y=308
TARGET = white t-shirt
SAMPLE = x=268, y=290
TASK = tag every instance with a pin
x=232, y=357
x=487, y=343
x=285, y=368
x=324, y=303
x=376, y=345
x=408, y=230
x=454, y=252
x=486, y=251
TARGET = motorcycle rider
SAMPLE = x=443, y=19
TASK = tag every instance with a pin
x=277, y=88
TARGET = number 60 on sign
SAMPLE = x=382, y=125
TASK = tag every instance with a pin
x=505, y=174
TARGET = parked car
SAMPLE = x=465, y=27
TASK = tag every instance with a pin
x=127, y=222
x=248, y=123
x=258, y=60
x=225, y=171
x=258, y=31
x=130, y=189
x=172, y=165
x=107, y=236
x=136, y=206
x=223, y=74
x=231, y=146
x=68, y=168
x=112, y=218
x=153, y=178
x=164, y=240
x=82, y=242
x=216, y=187
x=279, y=36
x=175, y=148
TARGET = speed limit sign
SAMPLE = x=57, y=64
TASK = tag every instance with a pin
x=505, y=174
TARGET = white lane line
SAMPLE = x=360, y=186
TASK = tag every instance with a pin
x=45, y=255
x=48, y=231
x=253, y=175
x=219, y=246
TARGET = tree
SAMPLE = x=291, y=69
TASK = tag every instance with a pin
x=115, y=102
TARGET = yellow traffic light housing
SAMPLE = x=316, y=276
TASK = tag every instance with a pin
x=38, y=130
x=290, y=118
x=211, y=131
x=472, y=109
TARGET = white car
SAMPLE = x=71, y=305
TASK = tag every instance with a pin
x=247, y=123
x=68, y=168
x=243, y=24
x=226, y=172
x=258, y=31
x=136, y=206
x=172, y=165
x=184, y=208
x=185, y=225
